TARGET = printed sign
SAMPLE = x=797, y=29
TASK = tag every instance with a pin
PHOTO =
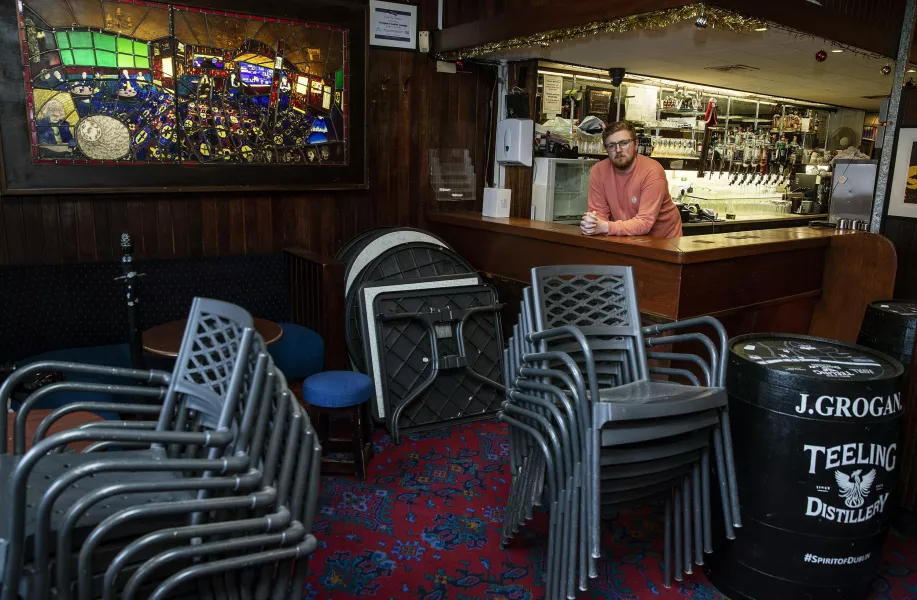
x=553, y=95
x=393, y=25
x=854, y=493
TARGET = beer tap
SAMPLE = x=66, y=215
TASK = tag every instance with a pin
x=747, y=156
x=724, y=155
x=762, y=161
x=737, y=158
x=748, y=169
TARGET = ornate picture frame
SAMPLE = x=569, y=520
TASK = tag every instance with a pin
x=114, y=96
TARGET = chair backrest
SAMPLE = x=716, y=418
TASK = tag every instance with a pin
x=214, y=364
x=588, y=296
x=601, y=300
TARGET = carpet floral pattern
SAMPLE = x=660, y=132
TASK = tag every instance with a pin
x=426, y=524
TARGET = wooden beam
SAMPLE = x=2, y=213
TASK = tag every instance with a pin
x=872, y=26
x=873, y=31
x=529, y=21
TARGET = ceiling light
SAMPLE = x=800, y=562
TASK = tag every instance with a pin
x=835, y=50
x=912, y=70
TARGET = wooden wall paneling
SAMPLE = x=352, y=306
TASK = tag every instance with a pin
x=4, y=246
x=316, y=285
x=66, y=221
x=401, y=177
x=13, y=232
x=489, y=100
x=901, y=232
x=383, y=81
x=165, y=227
x=185, y=227
x=50, y=224
x=145, y=214
x=519, y=181
x=421, y=131
x=438, y=109
x=117, y=226
x=859, y=269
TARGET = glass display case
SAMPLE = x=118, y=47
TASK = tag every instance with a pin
x=560, y=189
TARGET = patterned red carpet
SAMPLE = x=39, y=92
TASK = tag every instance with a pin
x=426, y=524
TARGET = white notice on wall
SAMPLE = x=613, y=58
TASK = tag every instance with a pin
x=393, y=25
x=553, y=97
x=640, y=103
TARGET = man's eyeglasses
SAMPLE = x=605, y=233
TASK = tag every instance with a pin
x=620, y=146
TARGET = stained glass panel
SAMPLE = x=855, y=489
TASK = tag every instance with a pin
x=108, y=83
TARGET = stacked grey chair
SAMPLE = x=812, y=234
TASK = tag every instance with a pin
x=215, y=498
x=594, y=428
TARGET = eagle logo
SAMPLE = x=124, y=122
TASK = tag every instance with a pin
x=853, y=488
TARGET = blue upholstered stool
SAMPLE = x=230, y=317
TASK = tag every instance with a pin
x=341, y=396
x=299, y=353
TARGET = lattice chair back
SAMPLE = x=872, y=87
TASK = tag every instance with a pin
x=214, y=364
x=600, y=300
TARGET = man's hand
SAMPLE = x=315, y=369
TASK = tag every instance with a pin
x=592, y=224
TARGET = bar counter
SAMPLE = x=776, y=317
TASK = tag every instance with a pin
x=796, y=279
x=752, y=224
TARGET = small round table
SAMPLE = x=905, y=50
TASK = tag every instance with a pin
x=165, y=339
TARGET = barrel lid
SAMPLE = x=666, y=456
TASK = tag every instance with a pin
x=905, y=308
x=813, y=357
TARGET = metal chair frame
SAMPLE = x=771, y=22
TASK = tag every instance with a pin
x=220, y=411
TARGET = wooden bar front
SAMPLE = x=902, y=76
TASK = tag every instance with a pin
x=798, y=280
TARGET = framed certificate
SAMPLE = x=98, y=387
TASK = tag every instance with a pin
x=392, y=25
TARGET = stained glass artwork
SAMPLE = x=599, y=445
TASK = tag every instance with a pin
x=114, y=82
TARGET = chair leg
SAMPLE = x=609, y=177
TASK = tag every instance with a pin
x=686, y=518
x=698, y=516
x=705, y=492
x=359, y=454
x=676, y=509
x=730, y=468
x=368, y=428
x=322, y=424
x=667, y=548
x=721, y=479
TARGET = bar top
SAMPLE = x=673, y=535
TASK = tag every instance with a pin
x=683, y=250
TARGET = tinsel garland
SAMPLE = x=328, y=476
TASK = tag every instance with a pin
x=717, y=18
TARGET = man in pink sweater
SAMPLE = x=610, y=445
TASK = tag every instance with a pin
x=628, y=193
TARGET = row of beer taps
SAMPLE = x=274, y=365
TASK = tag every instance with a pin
x=750, y=158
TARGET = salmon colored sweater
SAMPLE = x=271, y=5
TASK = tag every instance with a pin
x=636, y=203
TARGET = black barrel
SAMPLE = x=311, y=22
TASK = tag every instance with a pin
x=815, y=428
x=889, y=327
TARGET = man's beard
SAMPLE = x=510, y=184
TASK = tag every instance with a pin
x=623, y=163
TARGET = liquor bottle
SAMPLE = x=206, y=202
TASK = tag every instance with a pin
x=781, y=150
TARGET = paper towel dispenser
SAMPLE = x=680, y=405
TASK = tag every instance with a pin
x=515, y=138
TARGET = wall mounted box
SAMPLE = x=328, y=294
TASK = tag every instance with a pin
x=514, y=141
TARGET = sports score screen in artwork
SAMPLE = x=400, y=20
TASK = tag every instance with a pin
x=115, y=83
